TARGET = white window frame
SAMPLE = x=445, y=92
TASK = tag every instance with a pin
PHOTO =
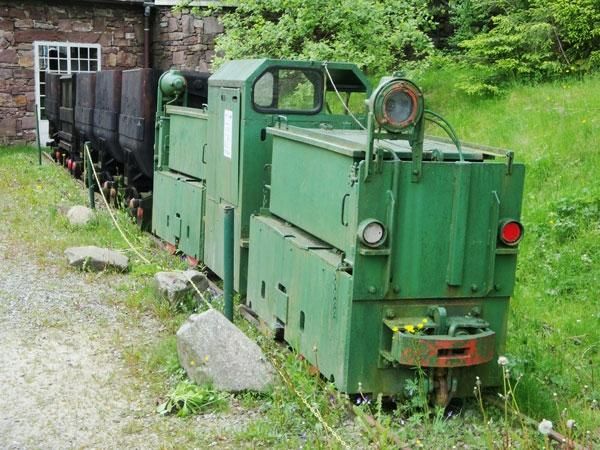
x=43, y=123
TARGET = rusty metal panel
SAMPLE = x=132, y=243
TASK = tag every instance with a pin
x=136, y=121
x=84, y=103
x=52, y=99
x=66, y=112
x=106, y=112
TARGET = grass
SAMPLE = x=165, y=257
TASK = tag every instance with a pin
x=554, y=332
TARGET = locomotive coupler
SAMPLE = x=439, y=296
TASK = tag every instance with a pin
x=438, y=341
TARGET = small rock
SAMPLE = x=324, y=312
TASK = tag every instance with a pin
x=79, y=215
x=96, y=259
x=212, y=349
x=176, y=285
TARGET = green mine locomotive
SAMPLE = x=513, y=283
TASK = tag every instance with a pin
x=378, y=254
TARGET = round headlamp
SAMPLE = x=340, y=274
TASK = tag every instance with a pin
x=371, y=233
x=397, y=104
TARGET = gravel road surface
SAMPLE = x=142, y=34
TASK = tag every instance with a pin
x=63, y=380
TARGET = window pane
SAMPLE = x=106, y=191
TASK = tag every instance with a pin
x=263, y=90
x=62, y=52
x=93, y=66
x=74, y=65
x=93, y=53
x=74, y=52
x=289, y=90
x=83, y=66
x=296, y=91
x=63, y=65
x=83, y=52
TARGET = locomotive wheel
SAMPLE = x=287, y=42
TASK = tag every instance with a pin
x=114, y=198
x=192, y=262
x=139, y=216
x=76, y=169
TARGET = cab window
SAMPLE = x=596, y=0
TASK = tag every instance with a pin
x=288, y=90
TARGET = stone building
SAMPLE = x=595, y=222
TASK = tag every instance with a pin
x=68, y=36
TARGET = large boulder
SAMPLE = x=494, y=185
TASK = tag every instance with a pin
x=175, y=286
x=79, y=215
x=96, y=259
x=213, y=350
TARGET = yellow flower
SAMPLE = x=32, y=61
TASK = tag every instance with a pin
x=424, y=320
x=420, y=326
x=206, y=359
x=192, y=362
x=409, y=328
x=395, y=329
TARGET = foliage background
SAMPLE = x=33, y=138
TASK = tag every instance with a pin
x=495, y=43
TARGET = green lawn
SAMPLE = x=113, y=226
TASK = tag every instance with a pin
x=554, y=330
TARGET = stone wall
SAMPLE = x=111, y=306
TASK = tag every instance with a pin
x=183, y=41
x=179, y=40
x=118, y=29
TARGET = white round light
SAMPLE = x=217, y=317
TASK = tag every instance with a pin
x=373, y=233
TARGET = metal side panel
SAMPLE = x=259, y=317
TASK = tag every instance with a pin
x=191, y=201
x=213, y=243
x=187, y=142
x=224, y=145
x=165, y=223
x=300, y=290
x=310, y=188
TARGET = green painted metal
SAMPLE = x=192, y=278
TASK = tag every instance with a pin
x=228, y=245
x=178, y=210
x=239, y=149
x=301, y=187
x=187, y=141
x=441, y=248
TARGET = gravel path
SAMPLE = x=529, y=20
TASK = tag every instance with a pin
x=63, y=380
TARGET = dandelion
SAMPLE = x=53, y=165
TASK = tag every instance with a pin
x=409, y=328
x=545, y=427
x=570, y=424
x=395, y=329
x=420, y=326
x=206, y=359
x=502, y=361
x=424, y=320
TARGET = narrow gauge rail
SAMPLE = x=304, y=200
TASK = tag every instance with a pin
x=354, y=233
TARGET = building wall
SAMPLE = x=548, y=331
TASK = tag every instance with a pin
x=118, y=29
x=183, y=41
x=179, y=40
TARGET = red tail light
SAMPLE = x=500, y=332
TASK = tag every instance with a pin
x=511, y=232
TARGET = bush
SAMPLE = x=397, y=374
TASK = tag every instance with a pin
x=508, y=41
x=378, y=35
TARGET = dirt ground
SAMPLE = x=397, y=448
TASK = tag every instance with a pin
x=63, y=379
